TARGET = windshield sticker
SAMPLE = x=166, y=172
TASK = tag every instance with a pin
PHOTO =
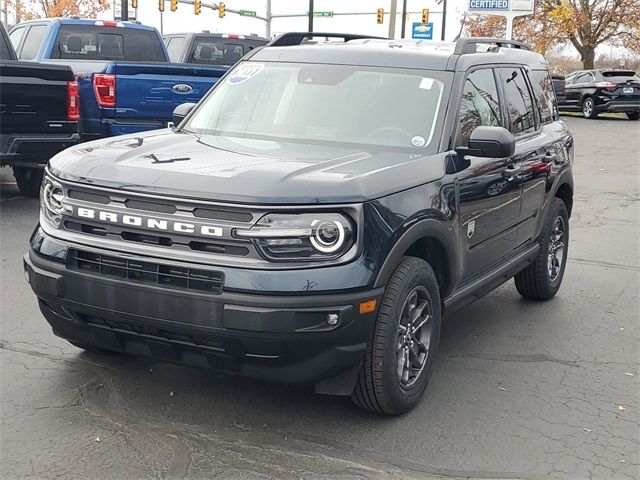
x=426, y=83
x=245, y=72
x=418, y=141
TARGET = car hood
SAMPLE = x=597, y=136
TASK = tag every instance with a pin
x=244, y=170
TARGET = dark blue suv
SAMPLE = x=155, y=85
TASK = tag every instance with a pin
x=314, y=216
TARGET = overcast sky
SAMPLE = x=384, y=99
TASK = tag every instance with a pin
x=185, y=20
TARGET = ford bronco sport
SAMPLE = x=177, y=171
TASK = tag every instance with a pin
x=313, y=217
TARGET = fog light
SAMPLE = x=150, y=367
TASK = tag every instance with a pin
x=333, y=319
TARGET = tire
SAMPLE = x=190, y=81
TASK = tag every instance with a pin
x=28, y=180
x=381, y=386
x=589, y=108
x=91, y=348
x=633, y=115
x=542, y=279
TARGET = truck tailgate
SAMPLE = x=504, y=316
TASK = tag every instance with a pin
x=152, y=91
x=33, y=98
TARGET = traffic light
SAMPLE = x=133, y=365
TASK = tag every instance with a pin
x=174, y=5
x=425, y=15
x=197, y=6
x=221, y=9
x=380, y=15
x=161, y=5
x=134, y=3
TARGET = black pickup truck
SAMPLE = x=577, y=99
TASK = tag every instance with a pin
x=39, y=110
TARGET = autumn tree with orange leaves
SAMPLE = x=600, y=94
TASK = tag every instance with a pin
x=585, y=24
x=31, y=9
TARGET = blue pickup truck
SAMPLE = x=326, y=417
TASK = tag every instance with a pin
x=125, y=80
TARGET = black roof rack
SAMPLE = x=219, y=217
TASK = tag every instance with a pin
x=468, y=45
x=296, y=38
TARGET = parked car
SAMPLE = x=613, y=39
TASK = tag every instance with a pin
x=596, y=91
x=38, y=115
x=206, y=48
x=559, y=88
x=125, y=79
x=304, y=222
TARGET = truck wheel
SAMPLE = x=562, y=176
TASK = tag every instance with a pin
x=541, y=280
x=633, y=115
x=398, y=365
x=28, y=180
x=589, y=108
x=90, y=348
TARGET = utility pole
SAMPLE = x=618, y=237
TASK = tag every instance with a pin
x=392, y=18
x=310, y=15
x=124, y=7
x=268, y=18
x=444, y=18
x=404, y=18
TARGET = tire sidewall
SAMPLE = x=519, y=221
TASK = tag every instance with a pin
x=593, y=108
x=404, y=398
x=558, y=209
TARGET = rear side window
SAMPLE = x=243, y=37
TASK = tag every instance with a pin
x=174, y=48
x=91, y=42
x=479, y=106
x=544, y=94
x=518, y=99
x=32, y=42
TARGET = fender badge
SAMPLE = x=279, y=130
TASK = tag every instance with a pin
x=471, y=228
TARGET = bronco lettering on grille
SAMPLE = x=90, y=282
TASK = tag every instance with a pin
x=149, y=222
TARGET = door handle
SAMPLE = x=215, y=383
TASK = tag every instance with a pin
x=512, y=171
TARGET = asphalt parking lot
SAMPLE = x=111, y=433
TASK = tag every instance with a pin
x=521, y=390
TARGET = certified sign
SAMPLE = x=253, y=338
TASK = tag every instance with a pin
x=488, y=5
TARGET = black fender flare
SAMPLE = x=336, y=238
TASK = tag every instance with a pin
x=438, y=230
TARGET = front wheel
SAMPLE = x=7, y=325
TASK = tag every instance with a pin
x=541, y=280
x=28, y=180
x=589, y=108
x=633, y=115
x=398, y=364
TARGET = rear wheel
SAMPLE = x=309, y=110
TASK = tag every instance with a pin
x=398, y=365
x=589, y=108
x=541, y=280
x=90, y=348
x=633, y=115
x=28, y=180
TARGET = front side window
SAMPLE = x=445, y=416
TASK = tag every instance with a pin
x=16, y=35
x=518, y=99
x=479, y=105
x=32, y=41
x=309, y=103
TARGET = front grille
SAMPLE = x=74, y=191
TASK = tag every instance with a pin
x=150, y=206
x=218, y=214
x=88, y=197
x=145, y=272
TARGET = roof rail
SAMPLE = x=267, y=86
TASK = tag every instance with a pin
x=468, y=45
x=296, y=38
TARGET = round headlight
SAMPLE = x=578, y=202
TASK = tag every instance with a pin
x=52, y=196
x=328, y=236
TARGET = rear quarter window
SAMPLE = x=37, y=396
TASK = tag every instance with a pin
x=89, y=42
x=544, y=94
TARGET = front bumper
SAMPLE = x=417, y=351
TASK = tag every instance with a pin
x=284, y=338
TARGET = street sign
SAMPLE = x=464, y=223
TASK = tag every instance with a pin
x=117, y=10
x=422, y=31
x=247, y=13
x=488, y=5
x=323, y=14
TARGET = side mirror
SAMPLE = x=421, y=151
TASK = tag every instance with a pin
x=181, y=111
x=490, y=142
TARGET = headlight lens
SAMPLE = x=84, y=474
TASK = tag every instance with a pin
x=306, y=237
x=52, y=200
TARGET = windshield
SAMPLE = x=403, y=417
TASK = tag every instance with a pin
x=324, y=103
